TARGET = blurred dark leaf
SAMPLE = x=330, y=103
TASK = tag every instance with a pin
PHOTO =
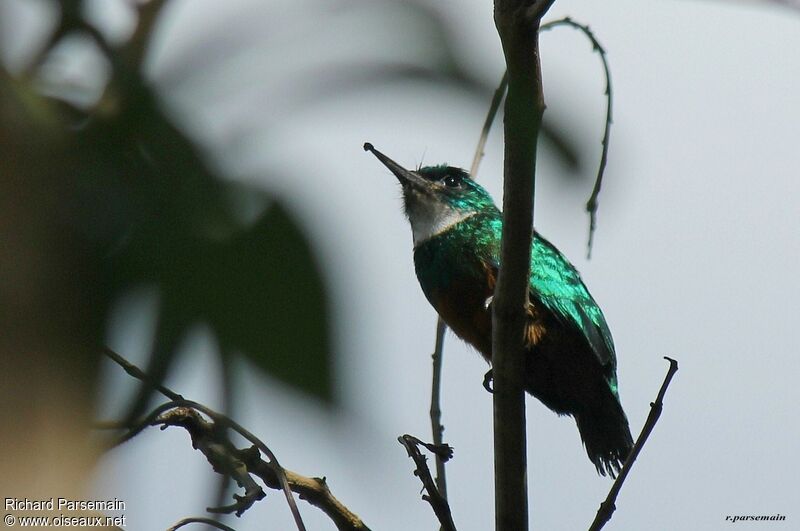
x=268, y=302
x=167, y=219
x=141, y=205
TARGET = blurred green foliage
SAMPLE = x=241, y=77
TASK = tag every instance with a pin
x=135, y=202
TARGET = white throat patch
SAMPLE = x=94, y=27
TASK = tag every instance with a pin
x=427, y=223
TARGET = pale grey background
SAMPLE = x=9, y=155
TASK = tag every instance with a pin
x=695, y=257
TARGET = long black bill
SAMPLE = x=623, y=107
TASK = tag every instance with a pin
x=403, y=175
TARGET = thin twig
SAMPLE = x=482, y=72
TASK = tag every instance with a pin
x=212, y=441
x=139, y=374
x=607, y=508
x=200, y=520
x=228, y=404
x=592, y=204
x=146, y=422
x=438, y=503
x=208, y=438
x=273, y=460
x=436, y=411
x=220, y=452
x=487, y=124
x=313, y=490
x=217, y=417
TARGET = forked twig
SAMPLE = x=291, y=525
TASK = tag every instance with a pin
x=216, y=417
x=438, y=503
x=607, y=508
x=210, y=440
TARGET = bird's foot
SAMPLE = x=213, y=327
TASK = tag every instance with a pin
x=488, y=378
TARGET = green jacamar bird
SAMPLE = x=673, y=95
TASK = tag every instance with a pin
x=570, y=360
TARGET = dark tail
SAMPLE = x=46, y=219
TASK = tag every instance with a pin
x=605, y=434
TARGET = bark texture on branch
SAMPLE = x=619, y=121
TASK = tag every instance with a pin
x=518, y=25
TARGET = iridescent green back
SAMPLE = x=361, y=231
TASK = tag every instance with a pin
x=558, y=286
x=555, y=284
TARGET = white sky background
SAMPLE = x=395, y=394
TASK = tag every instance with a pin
x=695, y=257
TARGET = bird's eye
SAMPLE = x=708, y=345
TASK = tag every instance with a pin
x=451, y=181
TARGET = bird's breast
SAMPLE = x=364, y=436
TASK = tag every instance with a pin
x=458, y=286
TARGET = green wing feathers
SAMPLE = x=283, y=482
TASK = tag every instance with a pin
x=558, y=287
x=555, y=284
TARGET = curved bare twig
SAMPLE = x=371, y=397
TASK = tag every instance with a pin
x=200, y=520
x=591, y=204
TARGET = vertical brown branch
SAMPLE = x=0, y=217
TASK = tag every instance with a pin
x=517, y=23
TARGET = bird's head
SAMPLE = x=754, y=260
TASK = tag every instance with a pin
x=437, y=197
